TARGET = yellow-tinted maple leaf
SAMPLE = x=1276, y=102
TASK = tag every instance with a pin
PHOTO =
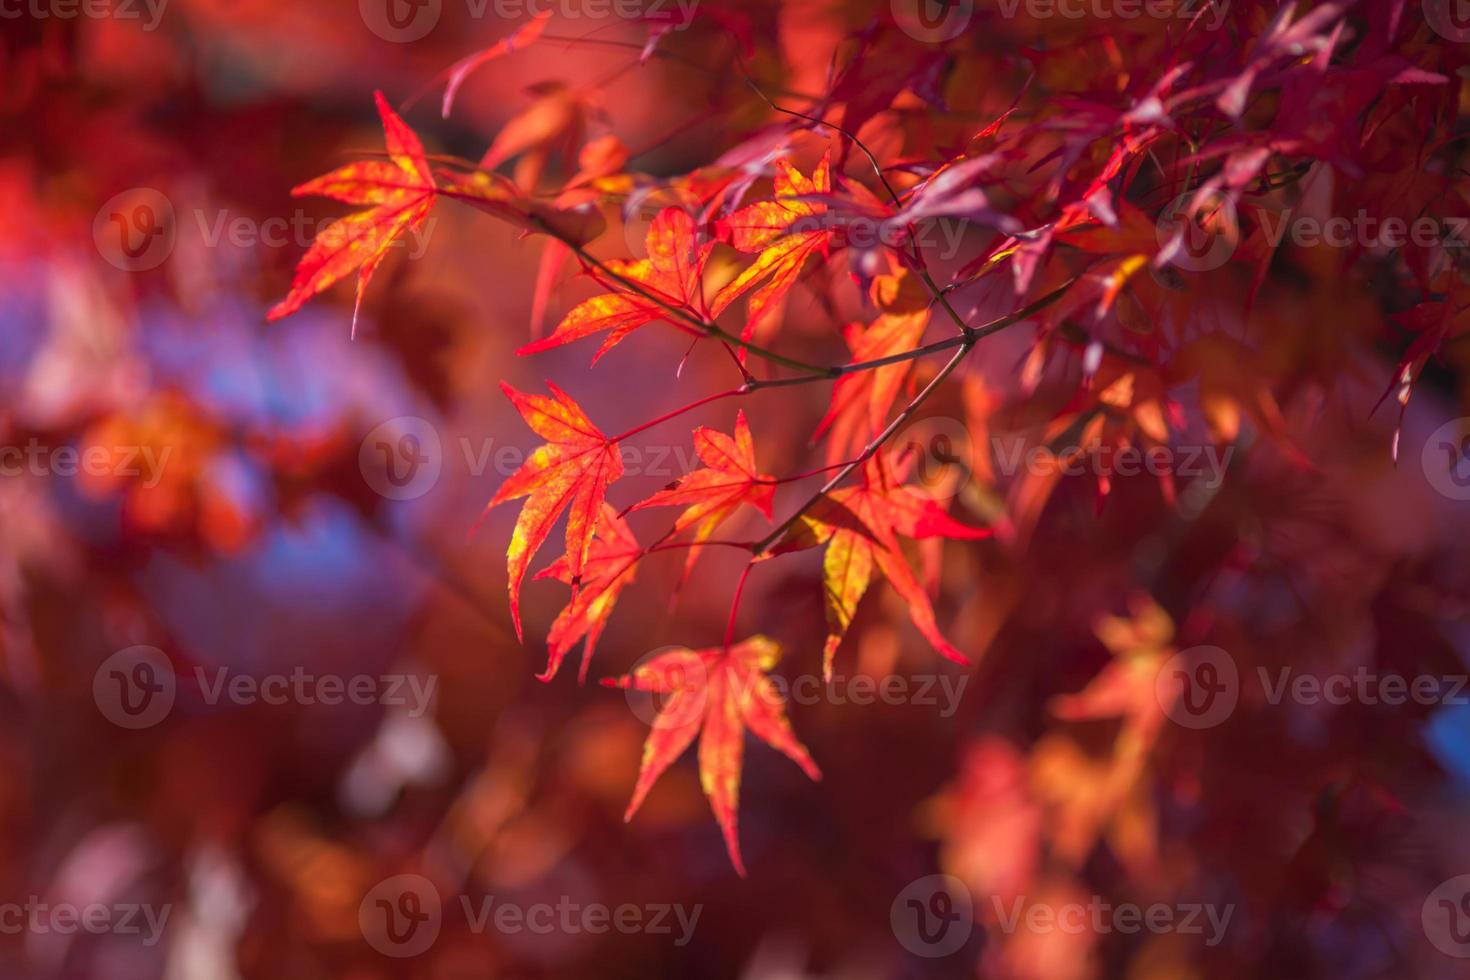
x=611, y=565
x=785, y=232
x=570, y=472
x=715, y=694
x=401, y=192
x=711, y=495
x=1092, y=797
x=673, y=274
x=860, y=526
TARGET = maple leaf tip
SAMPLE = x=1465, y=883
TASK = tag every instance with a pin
x=958, y=657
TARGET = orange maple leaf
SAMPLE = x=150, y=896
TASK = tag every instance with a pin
x=611, y=566
x=552, y=124
x=400, y=190
x=711, y=495
x=570, y=472
x=785, y=232
x=673, y=274
x=861, y=401
x=716, y=694
x=860, y=526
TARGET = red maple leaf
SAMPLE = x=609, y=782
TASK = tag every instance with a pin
x=715, y=694
x=611, y=566
x=400, y=190
x=785, y=232
x=570, y=473
x=671, y=277
x=711, y=495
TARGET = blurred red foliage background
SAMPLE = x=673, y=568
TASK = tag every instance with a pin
x=233, y=516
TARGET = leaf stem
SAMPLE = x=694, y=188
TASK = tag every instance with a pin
x=742, y=390
x=735, y=605
x=872, y=447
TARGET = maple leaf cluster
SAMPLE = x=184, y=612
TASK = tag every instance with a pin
x=1083, y=194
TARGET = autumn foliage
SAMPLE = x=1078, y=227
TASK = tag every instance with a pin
x=903, y=297
x=1064, y=197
